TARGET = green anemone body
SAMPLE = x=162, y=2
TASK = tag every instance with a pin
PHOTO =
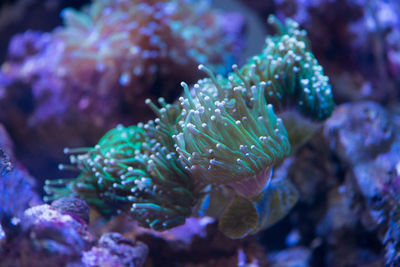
x=224, y=132
x=219, y=145
x=248, y=216
x=228, y=134
x=294, y=79
x=135, y=169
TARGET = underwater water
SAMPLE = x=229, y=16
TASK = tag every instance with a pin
x=200, y=133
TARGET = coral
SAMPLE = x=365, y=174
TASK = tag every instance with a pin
x=114, y=250
x=130, y=43
x=5, y=164
x=373, y=167
x=47, y=237
x=298, y=256
x=75, y=207
x=96, y=71
x=134, y=168
x=356, y=41
x=295, y=83
x=229, y=135
x=294, y=78
x=197, y=185
x=17, y=189
x=360, y=134
x=289, y=77
x=225, y=134
x=146, y=36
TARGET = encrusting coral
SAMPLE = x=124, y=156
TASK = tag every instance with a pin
x=226, y=133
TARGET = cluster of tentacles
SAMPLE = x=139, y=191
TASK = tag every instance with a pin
x=224, y=132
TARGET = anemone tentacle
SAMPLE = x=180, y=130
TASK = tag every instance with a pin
x=228, y=134
x=293, y=76
x=135, y=169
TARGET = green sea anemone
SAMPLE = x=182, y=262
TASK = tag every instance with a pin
x=293, y=76
x=295, y=83
x=229, y=135
x=134, y=169
x=225, y=135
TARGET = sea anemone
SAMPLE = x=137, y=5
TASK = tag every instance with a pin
x=134, y=169
x=295, y=83
x=226, y=134
x=293, y=76
x=229, y=135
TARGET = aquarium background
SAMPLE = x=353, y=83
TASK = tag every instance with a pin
x=96, y=170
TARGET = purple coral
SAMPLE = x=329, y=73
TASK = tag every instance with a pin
x=47, y=237
x=115, y=250
x=360, y=131
x=16, y=189
x=368, y=142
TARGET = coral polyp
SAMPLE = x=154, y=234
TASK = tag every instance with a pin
x=134, y=43
x=295, y=83
x=294, y=79
x=230, y=135
x=224, y=134
x=133, y=169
